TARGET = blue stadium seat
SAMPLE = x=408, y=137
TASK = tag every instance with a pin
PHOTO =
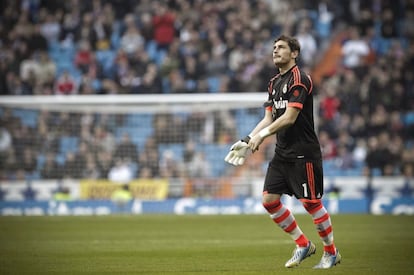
x=166, y=85
x=53, y=46
x=245, y=120
x=408, y=118
x=353, y=172
x=176, y=148
x=151, y=49
x=141, y=120
x=60, y=159
x=159, y=58
x=116, y=35
x=41, y=159
x=27, y=117
x=68, y=144
x=138, y=135
x=376, y=172
x=106, y=59
x=329, y=168
x=213, y=84
x=134, y=168
x=35, y=175
x=381, y=45
x=215, y=154
x=97, y=84
x=64, y=65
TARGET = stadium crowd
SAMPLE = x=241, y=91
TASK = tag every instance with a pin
x=68, y=47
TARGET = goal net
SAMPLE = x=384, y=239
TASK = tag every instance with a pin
x=173, y=139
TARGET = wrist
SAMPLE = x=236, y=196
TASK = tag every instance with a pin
x=246, y=139
x=264, y=132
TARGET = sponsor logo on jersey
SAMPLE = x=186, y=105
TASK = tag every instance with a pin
x=284, y=90
x=281, y=103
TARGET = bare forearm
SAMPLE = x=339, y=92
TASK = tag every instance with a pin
x=261, y=125
x=283, y=122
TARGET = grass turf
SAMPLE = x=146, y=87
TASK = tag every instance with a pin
x=190, y=244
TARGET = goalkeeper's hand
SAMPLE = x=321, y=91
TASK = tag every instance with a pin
x=238, y=152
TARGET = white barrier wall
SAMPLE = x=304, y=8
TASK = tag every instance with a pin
x=350, y=188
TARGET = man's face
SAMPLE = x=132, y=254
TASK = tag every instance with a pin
x=282, y=55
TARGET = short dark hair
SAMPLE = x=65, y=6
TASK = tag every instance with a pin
x=293, y=43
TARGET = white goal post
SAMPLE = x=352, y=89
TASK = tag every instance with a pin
x=136, y=103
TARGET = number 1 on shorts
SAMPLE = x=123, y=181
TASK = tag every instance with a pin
x=305, y=190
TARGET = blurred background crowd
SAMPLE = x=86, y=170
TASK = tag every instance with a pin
x=360, y=54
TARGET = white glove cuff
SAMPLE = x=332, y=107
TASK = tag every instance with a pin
x=246, y=139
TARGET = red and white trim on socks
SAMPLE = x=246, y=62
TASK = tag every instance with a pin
x=323, y=224
x=284, y=218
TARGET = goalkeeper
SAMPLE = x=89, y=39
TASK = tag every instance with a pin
x=296, y=168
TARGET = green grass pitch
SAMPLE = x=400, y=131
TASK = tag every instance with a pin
x=191, y=244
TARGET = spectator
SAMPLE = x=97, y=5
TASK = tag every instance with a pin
x=103, y=139
x=408, y=162
x=50, y=28
x=126, y=150
x=11, y=165
x=51, y=169
x=121, y=172
x=328, y=146
x=199, y=167
x=151, y=82
x=71, y=170
x=104, y=163
x=29, y=69
x=360, y=152
x=170, y=166
x=103, y=29
x=36, y=40
x=65, y=85
x=62, y=194
x=131, y=40
x=145, y=23
x=91, y=170
x=354, y=50
x=388, y=24
x=83, y=57
x=69, y=28
x=307, y=41
x=344, y=159
x=163, y=25
x=46, y=70
x=168, y=129
x=121, y=197
x=5, y=145
x=29, y=161
x=29, y=193
x=378, y=156
x=149, y=160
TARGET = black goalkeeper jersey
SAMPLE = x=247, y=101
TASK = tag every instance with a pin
x=294, y=89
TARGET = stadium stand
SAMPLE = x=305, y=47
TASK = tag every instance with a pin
x=360, y=99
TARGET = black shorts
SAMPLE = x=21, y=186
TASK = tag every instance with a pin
x=301, y=178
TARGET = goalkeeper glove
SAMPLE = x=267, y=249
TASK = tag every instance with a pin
x=238, y=152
